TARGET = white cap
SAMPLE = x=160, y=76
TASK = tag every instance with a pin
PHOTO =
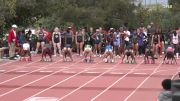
x=14, y=26
x=111, y=28
x=97, y=30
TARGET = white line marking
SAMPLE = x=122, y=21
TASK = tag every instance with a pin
x=116, y=82
x=175, y=74
x=2, y=70
x=45, y=71
x=132, y=93
x=68, y=72
x=140, y=73
x=32, y=81
x=89, y=81
x=39, y=78
x=166, y=70
x=8, y=63
x=116, y=73
x=93, y=72
x=22, y=71
x=19, y=67
x=42, y=99
x=24, y=67
x=64, y=80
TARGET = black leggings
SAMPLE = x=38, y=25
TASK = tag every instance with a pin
x=176, y=48
x=140, y=49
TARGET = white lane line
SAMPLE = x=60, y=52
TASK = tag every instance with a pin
x=42, y=99
x=24, y=66
x=28, y=72
x=89, y=81
x=178, y=71
x=22, y=71
x=140, y=73
x=116, y=73
x=68, y=72
x=2, y=70
x=132, y=93
x=19, y=67
x=39, y=78
x=116, y=82
x=45, y=71
x=8, y=63
x=64, y=80
x=166, y=70
x=92, y=72
x=32, y=81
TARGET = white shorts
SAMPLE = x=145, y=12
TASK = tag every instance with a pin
x=109, y=50
x=88, y=49
x=26, y=46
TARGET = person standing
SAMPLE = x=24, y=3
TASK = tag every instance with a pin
x=56, y=39
x=12, y=41
x=41, y=34
x=166, y=93
x=175, y=40
x=80, y=41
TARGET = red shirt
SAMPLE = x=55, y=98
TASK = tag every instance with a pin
x=48, y=35
x=12, y=36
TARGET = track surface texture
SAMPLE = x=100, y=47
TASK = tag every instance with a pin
x=78, y=81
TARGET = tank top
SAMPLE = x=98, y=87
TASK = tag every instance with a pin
x=175, y=39
x=79, y=37
x=41, y=35
x=68, y=37
x=56, y=37
x=135, y=39
x=97, y=37
x=155, y=40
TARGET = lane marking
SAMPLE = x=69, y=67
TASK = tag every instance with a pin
x=140, y=73
x=22, y=71
x=94, y=65
x=39, y=78
x=19, y=67
x=92, y=72
x=42, y=99
x=8, y=63
x=117, y=73
x=32, y=81
x=42, y=68
x=45, y=71
x=89, y=81
x=132, y=93
x=2, y=70
x=68, y=72
x=116, y=82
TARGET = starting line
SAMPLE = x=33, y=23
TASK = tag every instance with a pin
x=42, y=99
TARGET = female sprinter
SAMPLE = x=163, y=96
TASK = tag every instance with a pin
x=67, y=50
x=56, y=39
x=97, y=43
x=80, y=41
x=155, y=42
x=41, y=39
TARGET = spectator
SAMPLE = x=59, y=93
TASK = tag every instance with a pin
x=166, y=94
x=12, y=41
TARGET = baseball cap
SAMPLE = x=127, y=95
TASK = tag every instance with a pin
x=14, y=26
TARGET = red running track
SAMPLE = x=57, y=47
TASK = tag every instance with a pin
x=78, y=81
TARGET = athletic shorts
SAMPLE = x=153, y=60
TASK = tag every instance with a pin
x=108, y=50
x=26, y=46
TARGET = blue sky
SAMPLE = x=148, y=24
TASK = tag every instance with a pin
x=163, y=2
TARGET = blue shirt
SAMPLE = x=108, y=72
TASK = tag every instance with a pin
x=109, y=47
